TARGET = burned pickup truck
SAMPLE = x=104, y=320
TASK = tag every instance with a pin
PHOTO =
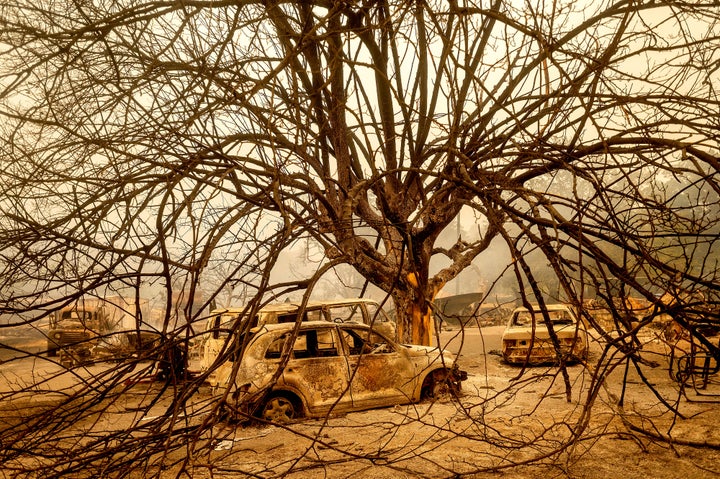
x=77, y=327
x=94, y=329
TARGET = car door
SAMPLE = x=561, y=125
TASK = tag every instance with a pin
x=317, y=369
x=218, y=329
x=380, y=374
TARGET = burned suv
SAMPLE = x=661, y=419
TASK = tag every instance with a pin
x=314, y=368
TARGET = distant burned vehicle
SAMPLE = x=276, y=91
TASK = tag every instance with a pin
x=527, y=340
x=695, y=358
x=351, y=311
x=314, y=368
x=692, y=331
x=694, y=354
x=98, y=329
x=76, y=326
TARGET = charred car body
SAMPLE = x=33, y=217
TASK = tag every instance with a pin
x=527, y=338
x=313, y=368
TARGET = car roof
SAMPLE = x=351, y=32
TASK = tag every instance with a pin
x=310, y=325
x=291, y=306
x=548, y=307
x=227, y=310
x=294, y=306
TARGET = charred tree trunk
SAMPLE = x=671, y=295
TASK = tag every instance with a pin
x=414, y=312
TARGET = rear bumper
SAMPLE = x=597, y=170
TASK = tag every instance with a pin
x=542, y=353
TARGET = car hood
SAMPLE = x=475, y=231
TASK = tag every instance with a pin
x=69, y=324
x=428, y=351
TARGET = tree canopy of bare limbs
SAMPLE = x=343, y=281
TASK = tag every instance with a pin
x=188, y=144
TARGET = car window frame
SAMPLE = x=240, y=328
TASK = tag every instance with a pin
x=371, y=350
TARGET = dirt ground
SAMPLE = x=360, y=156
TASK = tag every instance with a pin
x=508, y=422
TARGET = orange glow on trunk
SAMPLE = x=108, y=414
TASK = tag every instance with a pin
x=421, y=325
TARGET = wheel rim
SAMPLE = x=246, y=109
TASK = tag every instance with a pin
x=279, y=409
x=441, y=389
x=442, y=386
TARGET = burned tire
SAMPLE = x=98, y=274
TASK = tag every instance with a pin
x=281, y=409
x=439, y=385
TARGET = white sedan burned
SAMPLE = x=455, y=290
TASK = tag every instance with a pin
x=315, y=368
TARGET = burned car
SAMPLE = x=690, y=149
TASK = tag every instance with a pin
x=315, y=368
x=527, y=340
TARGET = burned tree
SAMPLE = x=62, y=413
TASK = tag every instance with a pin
x=145, y=144
x=369, y=127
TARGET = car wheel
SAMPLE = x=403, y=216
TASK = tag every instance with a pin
x=441, y=390
x=280, y=409
x=439, y=386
